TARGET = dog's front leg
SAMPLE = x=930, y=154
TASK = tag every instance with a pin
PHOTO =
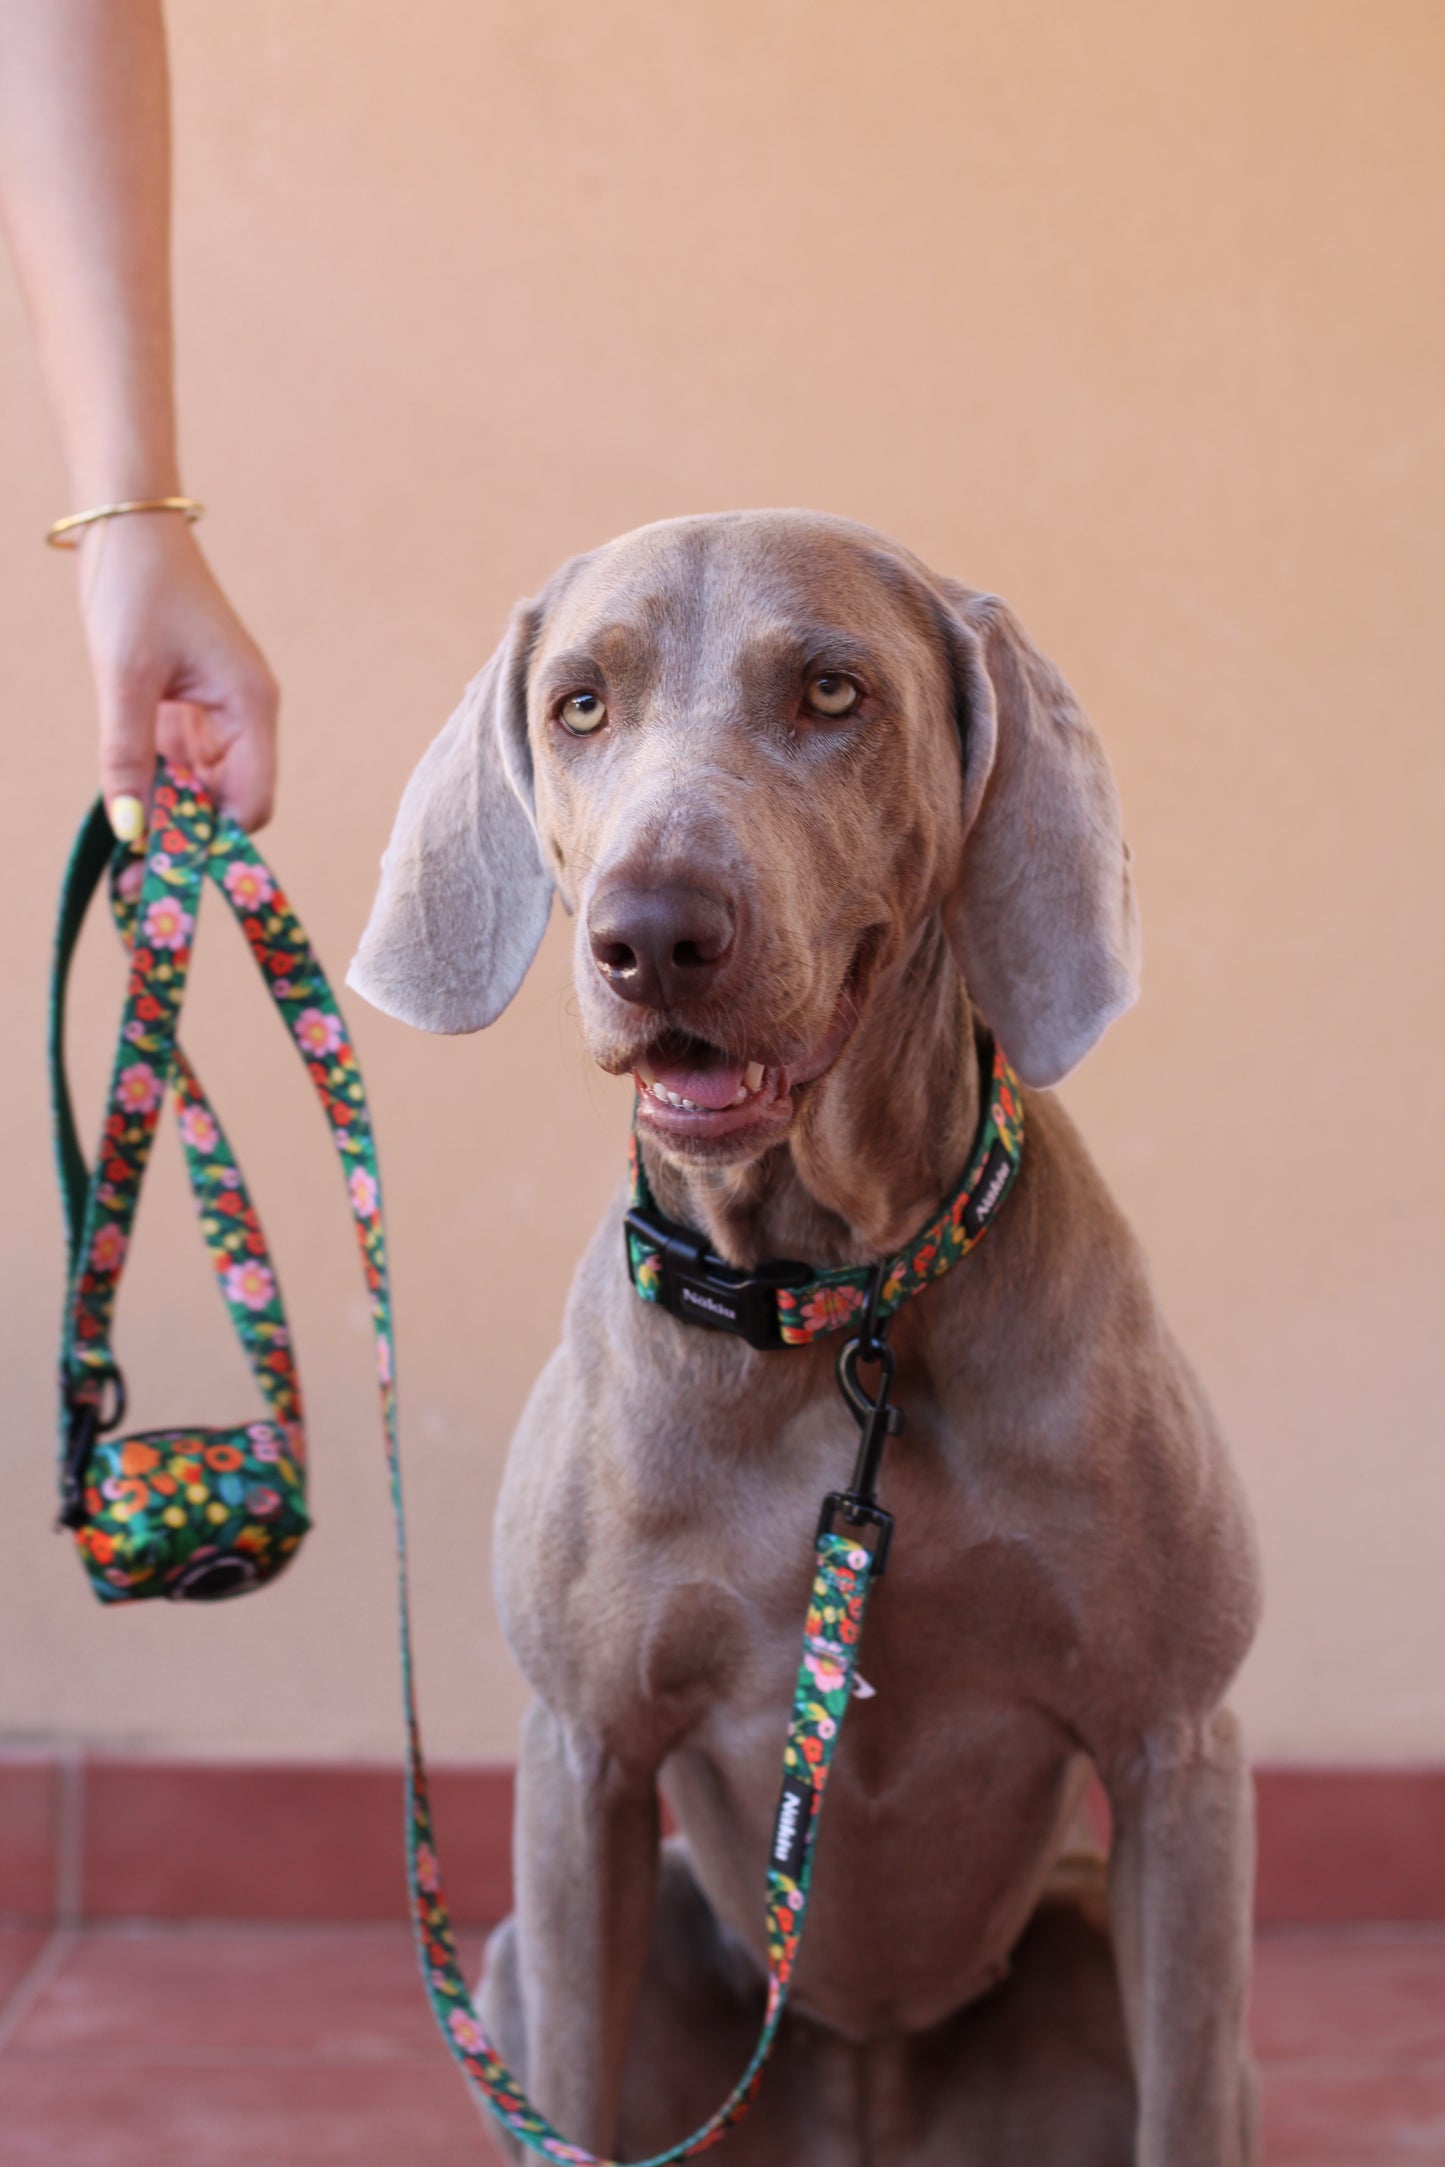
x=587, y=1840
x=1180, y=1889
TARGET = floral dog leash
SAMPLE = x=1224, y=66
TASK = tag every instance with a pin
x=197, y=1514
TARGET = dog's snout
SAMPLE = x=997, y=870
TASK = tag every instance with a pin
x=660, y=946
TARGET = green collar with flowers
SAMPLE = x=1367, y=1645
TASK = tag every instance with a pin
x=790, y=1305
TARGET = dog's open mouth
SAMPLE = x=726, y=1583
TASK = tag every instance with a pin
x=688, y=1087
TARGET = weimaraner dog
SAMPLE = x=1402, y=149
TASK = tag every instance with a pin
x=827, y=823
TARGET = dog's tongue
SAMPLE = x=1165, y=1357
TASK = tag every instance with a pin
x=715, y=1086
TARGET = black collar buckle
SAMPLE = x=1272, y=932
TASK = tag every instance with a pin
x=699, y=1288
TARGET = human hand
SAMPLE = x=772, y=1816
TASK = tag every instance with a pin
x=175, y=671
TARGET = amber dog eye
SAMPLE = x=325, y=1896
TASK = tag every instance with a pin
x=582, y=714
x=833, y=695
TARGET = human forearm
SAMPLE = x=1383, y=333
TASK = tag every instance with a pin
x=85, y=192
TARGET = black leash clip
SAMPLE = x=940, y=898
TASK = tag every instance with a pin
x=878, y=1420
x=87, y=1423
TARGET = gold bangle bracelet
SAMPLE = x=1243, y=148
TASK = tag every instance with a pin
x=65, y=534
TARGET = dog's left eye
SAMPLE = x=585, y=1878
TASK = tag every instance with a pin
x=582, y=714
x=833, y=694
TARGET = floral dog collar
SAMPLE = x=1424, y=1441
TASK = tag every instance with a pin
x=790, y=1305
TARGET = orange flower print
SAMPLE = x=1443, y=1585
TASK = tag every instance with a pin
x=138, y=1088
x=107, y=1249
x=250, y=1284
x=138, y=1459
x=128, y=1497
x=248, y=886
x=225, y=1459
x=167, y=925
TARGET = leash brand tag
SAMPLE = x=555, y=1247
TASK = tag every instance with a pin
x=790, y=1831
x=992, y=1183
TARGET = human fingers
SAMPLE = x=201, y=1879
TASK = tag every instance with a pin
x=128, y=693
x=230, y=746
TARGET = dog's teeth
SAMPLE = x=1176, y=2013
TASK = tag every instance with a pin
x=753, y=1076
x=644, y=1070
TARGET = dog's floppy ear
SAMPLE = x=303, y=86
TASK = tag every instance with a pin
x=464, y=896
x=1042, y=919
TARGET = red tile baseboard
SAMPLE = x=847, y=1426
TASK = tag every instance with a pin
x=110, y=1838
x=1350, y=1844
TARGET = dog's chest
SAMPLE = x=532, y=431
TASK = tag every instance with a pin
x=986, y=1587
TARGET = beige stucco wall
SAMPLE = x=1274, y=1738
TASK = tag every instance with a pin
x=1131, y=312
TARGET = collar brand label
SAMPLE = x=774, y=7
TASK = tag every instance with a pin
x=696, y=1299
x=790, y=1832
x=991, y=1184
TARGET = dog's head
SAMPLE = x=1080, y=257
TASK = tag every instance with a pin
x=754, y=754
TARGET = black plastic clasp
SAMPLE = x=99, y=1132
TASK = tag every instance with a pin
x=86, y=1424
x=699, y=1288
x=859, y=1514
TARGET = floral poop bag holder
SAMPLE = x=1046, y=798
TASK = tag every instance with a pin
x=193, y=1515
x=196, y=1515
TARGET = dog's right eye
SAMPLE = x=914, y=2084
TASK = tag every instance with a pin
x=582, y=714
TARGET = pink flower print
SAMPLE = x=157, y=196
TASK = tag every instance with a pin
x=318, y=1033
x=228, y=1177
x=383, y=1360
x=167, y=925
x=198, y=1129
x=140, y=1088
x=426, y=1871
x=466, y=2031
x=248, y=886
x=826, y=1672
x=250, y=1284
x=107, y=1249
x=132, y=880
x=363, y=1192
x=264, y=1444
x=263, y=1502
x=827, y=1308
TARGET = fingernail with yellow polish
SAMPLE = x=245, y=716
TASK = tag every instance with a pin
x=127, y=818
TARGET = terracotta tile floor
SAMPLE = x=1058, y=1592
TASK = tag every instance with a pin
x=303, y=2046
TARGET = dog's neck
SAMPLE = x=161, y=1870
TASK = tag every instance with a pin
x=879, y=1143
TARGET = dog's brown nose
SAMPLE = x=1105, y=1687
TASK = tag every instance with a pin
x=659, y=946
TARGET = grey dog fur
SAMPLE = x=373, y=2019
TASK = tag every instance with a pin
x=1074, y=1579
